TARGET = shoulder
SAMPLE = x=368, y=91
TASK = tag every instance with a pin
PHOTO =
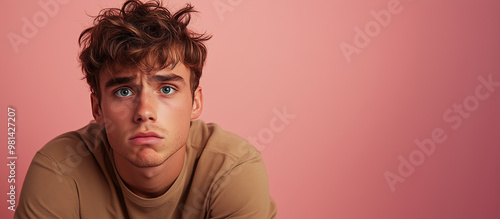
x=77, y=154
x=230, y=172
x=215, y=153
x=211, y=139
x=70, y=173
x=54, y=181
x=81, y=142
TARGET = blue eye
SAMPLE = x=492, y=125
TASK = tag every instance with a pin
x=123, y=92
x=167, y=90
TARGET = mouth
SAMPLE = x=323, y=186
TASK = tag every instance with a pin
x=145, y=138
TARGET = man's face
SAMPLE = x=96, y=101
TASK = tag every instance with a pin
x=147, y=115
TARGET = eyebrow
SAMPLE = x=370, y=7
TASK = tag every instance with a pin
x=118, y=81
x=124, y=80
x=170, y=77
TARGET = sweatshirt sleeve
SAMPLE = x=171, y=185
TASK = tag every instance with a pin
x=47, y=192
x=243, y=192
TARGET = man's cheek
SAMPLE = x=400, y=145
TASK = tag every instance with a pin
x=120, y=110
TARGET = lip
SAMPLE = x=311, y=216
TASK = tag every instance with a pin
x=145, y=138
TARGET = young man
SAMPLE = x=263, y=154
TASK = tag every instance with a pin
x=145, y=156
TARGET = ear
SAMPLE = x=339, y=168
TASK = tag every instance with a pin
x=197, y=103
x=96, y=109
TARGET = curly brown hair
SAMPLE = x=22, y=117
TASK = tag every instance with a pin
x=141, y=36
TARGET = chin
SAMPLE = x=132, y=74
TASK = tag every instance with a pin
x=147, y=162
x=145, y=158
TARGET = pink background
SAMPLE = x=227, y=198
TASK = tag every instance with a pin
x=353, y=120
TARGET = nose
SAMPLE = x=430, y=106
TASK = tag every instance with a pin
x=146, y=108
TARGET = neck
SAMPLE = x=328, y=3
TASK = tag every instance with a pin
x=150, y=182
